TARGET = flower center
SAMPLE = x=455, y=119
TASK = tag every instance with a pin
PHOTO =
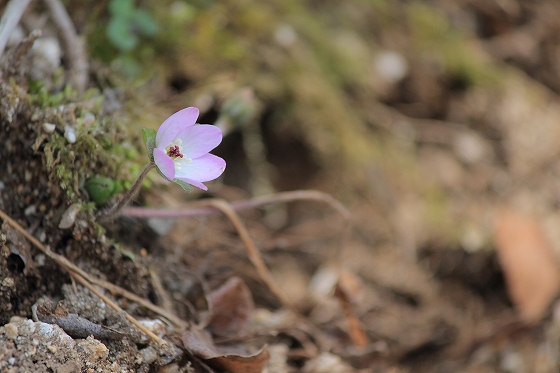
x=174, y=152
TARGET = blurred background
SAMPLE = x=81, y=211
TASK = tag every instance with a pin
x=437, y=123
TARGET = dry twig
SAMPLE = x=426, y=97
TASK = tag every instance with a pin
x=73, y=46
x=10, y=18
x=208, y=207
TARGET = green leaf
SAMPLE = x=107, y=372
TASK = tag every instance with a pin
x=145, y=22
x=149, y=136
x=120, y=34
x=100, y=189
x=123, y=8
x=186, y=186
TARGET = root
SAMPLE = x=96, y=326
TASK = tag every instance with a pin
x=209, y=207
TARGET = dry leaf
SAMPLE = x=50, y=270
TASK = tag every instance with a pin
x=199, y=343
x=531, y=272
x=232, y=306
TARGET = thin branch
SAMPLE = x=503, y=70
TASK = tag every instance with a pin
x=73, y=46
x=252, y=250
x=10, y=18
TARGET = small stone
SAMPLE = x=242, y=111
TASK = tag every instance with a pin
x=148, y=355
x=391, y=66
x=69, y=216
x=471, y=148
x=12, y=360
x=285, y=35
x=70, y=134
x=11, y=330
x=30, y=210
x=52, y=348
x=8, y=282
x=49, y=127
x=88, y=119
x=27, y=328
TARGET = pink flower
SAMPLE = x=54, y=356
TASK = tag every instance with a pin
x=181, y=149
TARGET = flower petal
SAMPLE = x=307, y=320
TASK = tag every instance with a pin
x=175, y=124
x=197, y=184
x=164, y=163
x=199, y=140
x=205, y=168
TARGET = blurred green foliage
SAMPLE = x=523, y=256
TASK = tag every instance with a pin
x=128, y=23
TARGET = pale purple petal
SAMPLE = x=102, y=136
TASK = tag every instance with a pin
x=199, y=140
x=197, y=184
x=205, y=168
x=164, y=163
x=175, y=124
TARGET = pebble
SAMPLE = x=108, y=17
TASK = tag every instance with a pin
x=11, y=330
x=70, y=134
x=69, y=216
x=285, y=35
x=88, y=119
x=8, y=282
x=49, y=127
x=27, y=328
x=470, y=148
x=148, y=355
x=391, y=66
x=52, y=348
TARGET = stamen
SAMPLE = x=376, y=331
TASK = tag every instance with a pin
x=174, y=152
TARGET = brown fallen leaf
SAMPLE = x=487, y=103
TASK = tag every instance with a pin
x=199, y=343
x=231, y=309
x=531, y=272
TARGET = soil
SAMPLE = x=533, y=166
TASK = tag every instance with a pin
x=428, y=164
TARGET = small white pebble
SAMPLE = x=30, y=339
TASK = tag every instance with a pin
x=52, y=348
x=70, y=134
x=285, y=35
x=12, y=360
x=8, y=282
x=40, y=259
x=69, y=216
x=11, y=330
x=49, y=127
x=27, y=328
x=148, y=355
x=391, y=66
x=30, y=210
x=88, y=119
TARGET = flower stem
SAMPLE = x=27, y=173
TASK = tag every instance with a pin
x=111, y=213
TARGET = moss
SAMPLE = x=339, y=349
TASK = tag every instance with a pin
x=102, y=146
